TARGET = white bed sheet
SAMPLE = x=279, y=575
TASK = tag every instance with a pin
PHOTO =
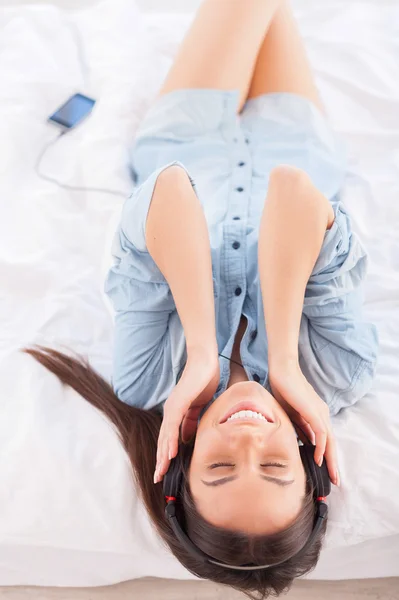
x=69, y=513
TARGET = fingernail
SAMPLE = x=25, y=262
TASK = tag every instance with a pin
x=170, y=454
x=320, y=461
x=156, y=477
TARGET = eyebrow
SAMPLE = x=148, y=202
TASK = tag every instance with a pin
x=223, y=480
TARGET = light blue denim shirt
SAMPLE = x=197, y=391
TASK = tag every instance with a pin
x=228, y=159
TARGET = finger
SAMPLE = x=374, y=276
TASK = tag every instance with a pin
x=161, y=441
x=161, y=470
x=169, y=451
x=302, y=435
x=306, y=432
x=321, y=441
x=161, y=466
x=159, y=449
x=173, y=445
x=332, y=459
x=168, y=445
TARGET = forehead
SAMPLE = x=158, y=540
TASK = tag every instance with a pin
x=258, y=508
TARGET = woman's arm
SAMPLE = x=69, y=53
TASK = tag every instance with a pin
x=292, y=228
x=178, y=241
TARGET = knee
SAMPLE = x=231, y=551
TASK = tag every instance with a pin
x=174, y=176
x=287, y=176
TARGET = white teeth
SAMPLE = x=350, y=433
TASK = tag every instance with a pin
x=246, y=414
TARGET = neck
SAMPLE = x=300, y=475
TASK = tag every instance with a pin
x=237, y=374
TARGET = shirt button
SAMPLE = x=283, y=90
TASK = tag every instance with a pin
x=236, y=245
x=241, y=164
x=239, y=189
x=254, y=334
x=236, y=218
x=246, y=140
x=256, y=377
x=238, y=291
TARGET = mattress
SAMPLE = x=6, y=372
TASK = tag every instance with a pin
x=70, y=514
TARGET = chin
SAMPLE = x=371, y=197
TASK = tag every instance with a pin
x=247, y=389
x=246, y=384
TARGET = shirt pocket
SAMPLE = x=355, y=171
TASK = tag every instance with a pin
x=271, y=151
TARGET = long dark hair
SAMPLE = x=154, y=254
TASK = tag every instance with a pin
x=138, y=431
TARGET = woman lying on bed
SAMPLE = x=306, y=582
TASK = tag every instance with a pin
x=237, y=290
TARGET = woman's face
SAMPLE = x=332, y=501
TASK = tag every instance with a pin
x=261, y=483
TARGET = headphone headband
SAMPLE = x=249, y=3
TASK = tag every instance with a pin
x=318, y=478
x=170, y=512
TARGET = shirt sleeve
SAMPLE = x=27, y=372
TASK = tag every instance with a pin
x=142, y=359
x=338, y=346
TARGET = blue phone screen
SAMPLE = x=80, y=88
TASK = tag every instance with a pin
x=73, y=111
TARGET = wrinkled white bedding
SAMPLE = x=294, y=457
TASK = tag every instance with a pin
x=69, y=513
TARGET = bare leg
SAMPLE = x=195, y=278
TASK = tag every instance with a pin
x=221, y=46
x=282, y=64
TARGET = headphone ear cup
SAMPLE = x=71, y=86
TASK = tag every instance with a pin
x=318, y=475
x=172, y=478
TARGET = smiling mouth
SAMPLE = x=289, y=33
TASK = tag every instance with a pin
x=248, y=406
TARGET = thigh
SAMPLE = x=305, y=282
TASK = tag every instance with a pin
x=221, y=46
x=282, y=64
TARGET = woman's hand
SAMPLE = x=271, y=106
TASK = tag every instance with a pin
x=308, y=412
x=194, y=390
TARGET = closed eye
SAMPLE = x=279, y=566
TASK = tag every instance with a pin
x=271, y=464
x=276, y=480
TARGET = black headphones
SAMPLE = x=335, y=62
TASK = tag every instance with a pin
x=317, y=476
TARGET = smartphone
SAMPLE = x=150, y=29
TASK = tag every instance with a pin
x=72, y=112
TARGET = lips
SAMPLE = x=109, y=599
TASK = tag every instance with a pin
x=248, y=405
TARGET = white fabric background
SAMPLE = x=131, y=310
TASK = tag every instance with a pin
x=69, y=512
